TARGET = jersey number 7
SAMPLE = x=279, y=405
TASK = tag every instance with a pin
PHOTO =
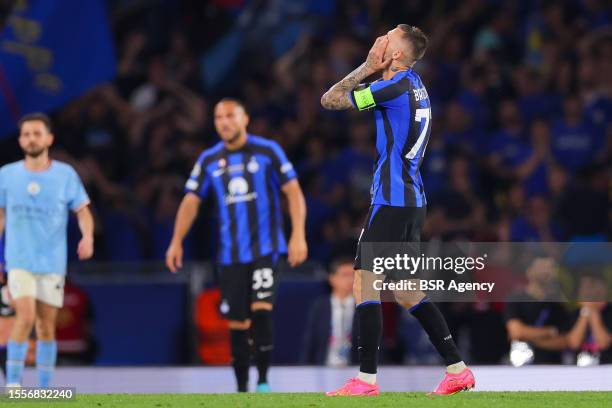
x=423, y=113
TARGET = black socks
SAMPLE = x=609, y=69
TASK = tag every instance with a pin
x=434, y=324
x=261, y=327
x=261, y=330
x=428, y=315
x=240, y=357
x=370, y=333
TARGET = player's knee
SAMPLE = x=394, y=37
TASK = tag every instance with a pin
x=25, y=319
x=239, y=324
x=408, y=299
x=262, y=328
x=406, y=304
x=255, y=306
x=45, y=330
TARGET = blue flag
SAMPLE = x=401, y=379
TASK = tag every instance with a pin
x=50, y=53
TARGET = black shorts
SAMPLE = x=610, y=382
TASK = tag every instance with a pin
x=389, y=230
x=243, y=284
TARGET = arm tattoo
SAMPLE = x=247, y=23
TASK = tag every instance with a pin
x=337, y=98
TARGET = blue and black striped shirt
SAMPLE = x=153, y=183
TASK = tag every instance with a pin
x=403, y=126
x=246, y=184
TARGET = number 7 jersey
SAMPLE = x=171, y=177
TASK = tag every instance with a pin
x=403, y=126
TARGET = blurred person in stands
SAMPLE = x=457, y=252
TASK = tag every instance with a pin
x=591, y=334
x=246, y=175
x=507, y=146
x=331, y=324
x=575, y=142
x=536, y=223
x=536, y=159
x=458, y=210
x=583, y=207
x=535, y=324
x=213, y=330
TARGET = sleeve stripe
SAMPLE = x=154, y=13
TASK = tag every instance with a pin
x=391, y=91
x=286, y=168
x=364, y=98
x=192, y=185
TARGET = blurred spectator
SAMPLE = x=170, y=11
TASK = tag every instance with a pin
x=537, y=224
x=457, y=211
x=583, y=208
x=591, y=334
x=507, y=146
x=535, y=324
x=213, y=334
x=331, y=324
x=575, y=143
x=533, y=169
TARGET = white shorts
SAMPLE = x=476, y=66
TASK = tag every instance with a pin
x=48, y=288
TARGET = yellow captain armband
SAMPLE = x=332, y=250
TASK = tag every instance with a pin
x=364, y=98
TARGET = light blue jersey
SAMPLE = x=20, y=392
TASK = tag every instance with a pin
x=37, y=205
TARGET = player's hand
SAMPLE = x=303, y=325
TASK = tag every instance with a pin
x=594, y=306
x=85, y=249
x=298, y=250
x=375, y=60
x=174, y=257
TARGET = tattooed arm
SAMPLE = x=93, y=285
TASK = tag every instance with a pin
x=338, y=98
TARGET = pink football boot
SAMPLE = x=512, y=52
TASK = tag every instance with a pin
x=453, y=383
x=356, y=388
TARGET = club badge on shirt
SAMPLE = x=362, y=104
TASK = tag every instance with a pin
x=33, y=188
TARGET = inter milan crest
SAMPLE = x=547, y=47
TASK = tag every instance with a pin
x=33, y=188
x=253, y=166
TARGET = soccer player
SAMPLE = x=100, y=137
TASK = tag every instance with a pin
x=245, y=173
x=36, y=195
x=402, y=111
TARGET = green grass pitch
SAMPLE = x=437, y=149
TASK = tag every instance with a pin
x=308, y=400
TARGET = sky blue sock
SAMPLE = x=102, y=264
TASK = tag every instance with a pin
x=46, y=354
x=15, y=360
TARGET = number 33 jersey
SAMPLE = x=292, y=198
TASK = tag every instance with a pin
x=246, y=185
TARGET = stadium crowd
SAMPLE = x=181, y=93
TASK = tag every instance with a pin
x=521, y=139
x=521, y=106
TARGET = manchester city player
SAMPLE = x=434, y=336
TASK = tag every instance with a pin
x=36, y=195
x=402, y=111
x=245, y=174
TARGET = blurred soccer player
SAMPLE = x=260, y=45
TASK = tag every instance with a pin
x=35, y=197
x=403, y=124
x=246, y=174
